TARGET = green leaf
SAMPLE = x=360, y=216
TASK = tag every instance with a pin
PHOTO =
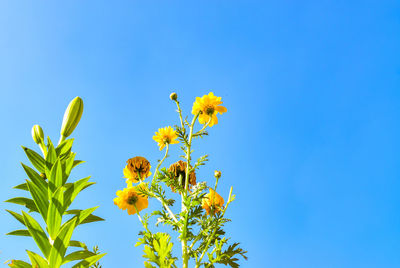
x=64, y=148
x=36, y=159
x=19, y=217
x=51, y=156
x=55, y=212
x=36, y=179
x=28, y=203
x=37, y=260
x=88, y=219
x=61, y=244
x=21, y=186
x=20, y=264
x=40, y=199
x=73, y=190
x=37, y=233
x=78, y=255
x=67, y=166
x=74, y=243
x=77, y=162
x=56, y=176
x=19, y=233
x=89, y=261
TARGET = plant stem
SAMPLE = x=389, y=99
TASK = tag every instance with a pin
x=185, y=256
x=180, y=113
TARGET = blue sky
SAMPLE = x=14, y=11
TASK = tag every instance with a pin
x=310, y=141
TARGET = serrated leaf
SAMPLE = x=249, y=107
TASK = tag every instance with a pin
x=55, y=212
x=37, y=260
x=19, y=233
x=89, y=261
x=39, y=198
x=78, y=255
x=37, y=233
x=36, y=159
x=61, y=243
x=27, y=202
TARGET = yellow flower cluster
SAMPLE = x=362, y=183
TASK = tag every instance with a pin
x=138, y=168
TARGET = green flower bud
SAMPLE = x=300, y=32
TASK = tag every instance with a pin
x=173, y=96
x=37, y=134
x=71, y=117
x=217, y=174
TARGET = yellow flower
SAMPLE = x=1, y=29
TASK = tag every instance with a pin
x=208, y=106
x=178, y=169
x=164, y=136
x=137, y=166
x=130, y=197
x=212, y=202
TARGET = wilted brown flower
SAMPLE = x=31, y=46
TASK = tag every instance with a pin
x=137, y=166
x=178, y=169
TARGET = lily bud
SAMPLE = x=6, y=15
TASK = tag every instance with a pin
x=71, y=117
x=37, y=134
x=217, y=174
x=173, y=96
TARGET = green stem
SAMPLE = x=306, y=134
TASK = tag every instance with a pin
x=62, y=138
x=140, y=218
x=185, y=255
x=215, y=230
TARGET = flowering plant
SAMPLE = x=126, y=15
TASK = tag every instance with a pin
x=50, y=195
x=199, y=222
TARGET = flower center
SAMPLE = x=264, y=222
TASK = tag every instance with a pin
x=209, y=110
x=167, y=140
x=132, y=199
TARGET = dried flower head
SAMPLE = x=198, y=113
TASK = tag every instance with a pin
x=131, y=199
x=212, y=202
x=208, y=106
x=178, y=171
x=137, y=168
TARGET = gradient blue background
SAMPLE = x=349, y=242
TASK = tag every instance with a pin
x=310, y=141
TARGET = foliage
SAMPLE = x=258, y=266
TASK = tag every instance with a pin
x=50, y=195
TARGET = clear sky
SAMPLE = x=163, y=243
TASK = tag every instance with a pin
x=310, y=141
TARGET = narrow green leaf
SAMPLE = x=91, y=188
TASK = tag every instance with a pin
x=82, y=215
x=64, y=148
x=36, y=159
x=40, y=199
x=37, y=260
x=19, y=233
x=28, y=203
x=51, y=156
x=88, y=219
x=20, y=264
x=56, y=176
x=36, y=179
x=72, y=191
x=74, y=243
x=67, y=166
x=61, y=244
x=77, y=162
x=21, y=186
x=78, y=255
x=37, y=233
x=89, y=261
x=19, y=217
x=55, y=212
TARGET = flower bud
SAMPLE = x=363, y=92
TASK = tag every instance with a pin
x=173, y=96
x=217, y=174
x=71, y=117
x=37, y=134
